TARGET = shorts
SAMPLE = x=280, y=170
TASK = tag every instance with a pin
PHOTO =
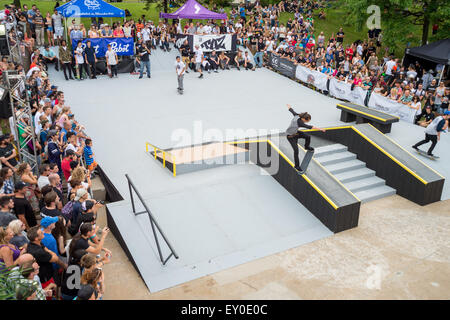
x=92, y=166
x=50, y=29
x=197, y=65
x=59, y=31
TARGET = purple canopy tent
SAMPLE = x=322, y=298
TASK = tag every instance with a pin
x=193, y=10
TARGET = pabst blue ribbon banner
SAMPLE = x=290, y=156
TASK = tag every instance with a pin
x=392, y=107
x=316, y=78
x=282, y=65
x=122, y=46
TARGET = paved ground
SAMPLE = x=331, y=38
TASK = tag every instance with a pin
x=399, y=251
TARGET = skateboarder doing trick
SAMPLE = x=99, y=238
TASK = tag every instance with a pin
x=433, y=132
x=293, y=134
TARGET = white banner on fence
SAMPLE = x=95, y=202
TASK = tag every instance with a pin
x=392, y=107
x=343, y=90
x=316, y=78
x=214, y=42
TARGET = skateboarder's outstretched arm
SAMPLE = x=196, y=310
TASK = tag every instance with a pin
x=301, y=123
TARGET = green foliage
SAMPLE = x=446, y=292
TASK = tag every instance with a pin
x=404, y=22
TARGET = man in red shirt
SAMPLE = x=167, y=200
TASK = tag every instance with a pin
x=310, y=44
x=65, y=164
x=349, y=52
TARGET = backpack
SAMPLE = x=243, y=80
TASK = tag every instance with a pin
x=67, y=210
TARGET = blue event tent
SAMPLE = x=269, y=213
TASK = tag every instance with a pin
x=89, y=9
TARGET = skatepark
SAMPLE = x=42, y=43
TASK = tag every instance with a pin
x=233, y=212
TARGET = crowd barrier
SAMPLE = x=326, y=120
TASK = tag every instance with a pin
x=339, y=89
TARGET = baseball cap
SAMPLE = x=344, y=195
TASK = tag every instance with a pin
x=3, y=137
x=46, y=221
x=446, y=112
x=54, y=87
x=19, y=185
x=51, y=133
x=80, y=194
x=85, y=292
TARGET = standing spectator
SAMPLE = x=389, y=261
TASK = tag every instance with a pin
x=22, y=207
x=54, y=150
x=49, y=26
x=49, y=241
x=80, y=64
x=44, y=171
x=55, y=183
x=111, y=61
x=439, y=94
x=65, y=56
x=258, y=57
x=57, y=23
x=51, y=200
x=91, y=59
x=60, y=234
x=65, y=164
x=144, y=58
x=340, y=36
x=39, y=27
x=427, y=78
x=44, y=257
x=198, y=60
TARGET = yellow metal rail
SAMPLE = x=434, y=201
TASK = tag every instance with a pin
x=164, y=153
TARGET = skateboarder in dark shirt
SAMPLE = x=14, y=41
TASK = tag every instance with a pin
x=293, y=134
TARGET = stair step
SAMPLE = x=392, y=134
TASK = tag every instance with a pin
x=345, y=166
x=365, y=184
x=336, y=157
x=349, y=176
x=375, y=193
x=332, y=148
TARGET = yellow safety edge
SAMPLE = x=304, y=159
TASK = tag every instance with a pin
x=155, y=148
x=382, y=150
x=292, y=164
x=409, y=153
x=367, y=114
x=390, y=156
x=329, y=173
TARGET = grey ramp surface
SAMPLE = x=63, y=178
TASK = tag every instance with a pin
x=411, y=161
x=240, y=215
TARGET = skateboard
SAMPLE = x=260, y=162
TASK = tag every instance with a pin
x=305, y=162
x=423, y=153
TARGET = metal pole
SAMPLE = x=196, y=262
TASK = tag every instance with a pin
x=152, y=218
x=442, y=73
x=131, y=195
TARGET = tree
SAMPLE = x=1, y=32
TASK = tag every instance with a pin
x=401, y=20
x=161, y=4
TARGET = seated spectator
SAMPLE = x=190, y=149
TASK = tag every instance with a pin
x=81, y=240
x=49, y=56
x=9, y=253
x=7, y=153
x=19, y=239
x=428, y=115
x=26, y=176
x=49, y=241
x=95, y=279
x=6, y=206
x=6, y=175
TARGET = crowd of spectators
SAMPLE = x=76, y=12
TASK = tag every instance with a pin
x=50, y=244
x=48, y=218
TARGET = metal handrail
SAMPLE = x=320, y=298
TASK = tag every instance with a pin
x=155, y=148
x=153, y=223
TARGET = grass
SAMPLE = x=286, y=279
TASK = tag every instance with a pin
x=329, y=26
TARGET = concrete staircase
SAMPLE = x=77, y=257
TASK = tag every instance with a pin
x=352, y=172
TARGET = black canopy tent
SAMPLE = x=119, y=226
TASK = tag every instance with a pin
x=430, y=55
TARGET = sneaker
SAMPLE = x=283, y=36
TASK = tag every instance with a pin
x=140, y=77
x=228, y=68
x=238, y=68
x=309, y=148
x=415, y=147
x=187, y=71
x=209, y=71
x=298, y=168
x=149, y=77
x=201, y=75
x=216, y=71
x=430, y=154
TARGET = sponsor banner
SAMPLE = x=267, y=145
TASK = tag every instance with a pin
x=282, y=65
x=208, y=43
x=343, y=90
x=122, y=46
x=316, y=78
x=386, y=105
x=218, y=42
x=181, y=38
